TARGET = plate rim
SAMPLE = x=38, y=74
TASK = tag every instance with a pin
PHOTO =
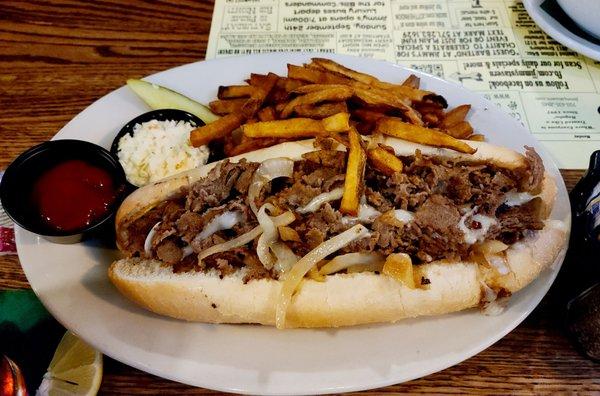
x=479, y=347
x=558, y=32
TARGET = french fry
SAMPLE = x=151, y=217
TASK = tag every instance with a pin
x=321, y=111
x=288, y=84
x=396, y=127
x=378, y=97
x=384, y=161
x=415, y=95
x=216, y=129
x=298, y=127
x=400, y=90
x=262, y=87
x=477, y=138
x=266, y=114
x=368, y=115
x=454, y=116
x=355, y=173
x=336, y=123
x=315, y=76
x=431, y=119
x=235, y=91
x=226, y=106
x=412, y=81
x=460, y=130
x=399, y=267
x=308, y=88
x=250, y=144
x=335, y=67
x=341, y=92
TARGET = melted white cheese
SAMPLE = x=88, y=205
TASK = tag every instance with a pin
x=478, y=235
x=404, y=215
x=498, y=262
x=517, y=198
x=320, y=199
x=366, y=214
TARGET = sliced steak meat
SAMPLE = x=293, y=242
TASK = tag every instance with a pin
x=322, y=159
x=254, y=269
x=189, y=225
x=435, y=190
x=377, y=200
x=515, y=220
x=187, y=264
x=168, y=252
x=536, y=170
x=136, y=232
x=440, y=236
x=223, y=181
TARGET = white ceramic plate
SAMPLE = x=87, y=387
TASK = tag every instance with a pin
x=560, y=33
x=71, y=280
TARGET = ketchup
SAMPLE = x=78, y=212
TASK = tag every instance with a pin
x=73, y=194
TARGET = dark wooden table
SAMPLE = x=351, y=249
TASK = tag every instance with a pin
x=57, y=57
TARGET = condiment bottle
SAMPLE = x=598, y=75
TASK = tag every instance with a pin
x=583, y=263
x=585, y=203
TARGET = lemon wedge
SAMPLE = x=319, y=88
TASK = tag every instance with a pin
x=75, y=369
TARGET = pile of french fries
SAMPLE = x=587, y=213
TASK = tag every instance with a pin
x=326, y=99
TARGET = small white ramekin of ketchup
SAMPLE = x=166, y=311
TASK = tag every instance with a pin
x=64, y=190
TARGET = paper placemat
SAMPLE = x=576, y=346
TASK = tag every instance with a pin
x=489, y=46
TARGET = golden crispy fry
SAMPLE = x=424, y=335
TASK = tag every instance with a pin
x=280, y=106
x=415, y=95
x=399, y=266
x=431, y=112
x=384, y=161
x=249, y=144
x=336, y=123
x=399, y=90
x=263, y=86
x=216, y=129
x=335, y=67
x=477, y=138
x=355, y=173
x=412, y=81
x=226, y=106
x=308, y=88
x=379, y=97
x=288, y=234
x=413, y=133
x=235, y=91
x=341, y=92
x=288, y=84
x=321, y=111
x=267, y=114
x=431, y=119
x=455, y=116
x=460, y=130
x=298, y=127
x=368, y=115
x=315, y=76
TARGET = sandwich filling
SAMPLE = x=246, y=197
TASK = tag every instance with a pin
x=264, y=218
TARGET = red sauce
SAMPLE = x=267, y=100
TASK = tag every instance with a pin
x=73, y=194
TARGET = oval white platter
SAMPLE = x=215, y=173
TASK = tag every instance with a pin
x=72, y=282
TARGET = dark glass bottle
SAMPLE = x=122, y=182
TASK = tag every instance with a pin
x=583, y=263
x=585, y=204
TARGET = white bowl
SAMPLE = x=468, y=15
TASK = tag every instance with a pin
x=586, y=13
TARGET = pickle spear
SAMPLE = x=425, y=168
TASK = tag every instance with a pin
x=158, y=97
